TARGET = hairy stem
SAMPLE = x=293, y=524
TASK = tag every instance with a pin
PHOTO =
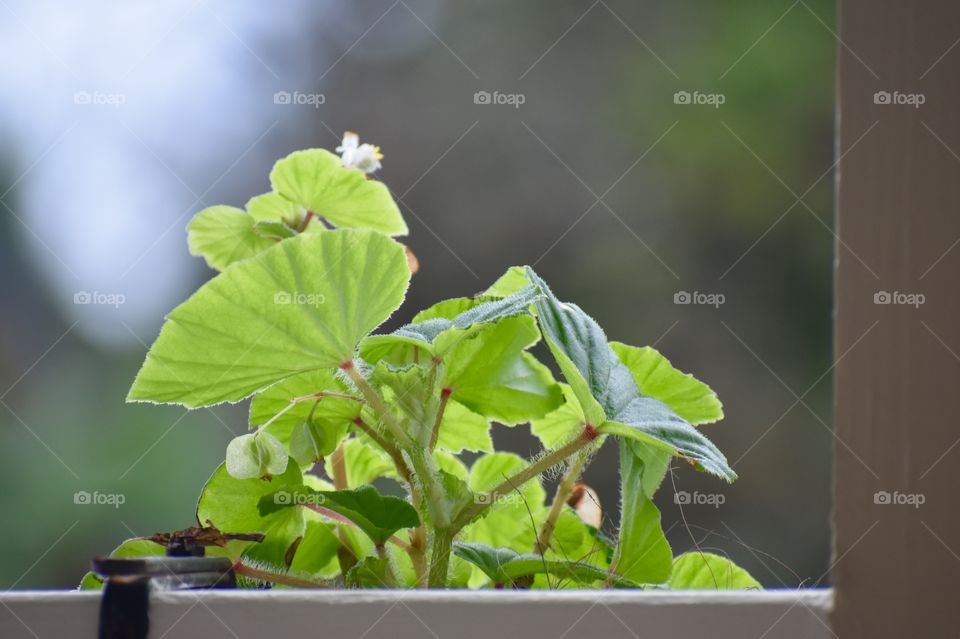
x=376, y=403
x=345, y=554
x=468, y=513
x=435, y=433
x=559, y=499
x=276, y=577
x=440, y=557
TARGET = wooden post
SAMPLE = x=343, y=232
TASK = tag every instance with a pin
x=897, y=478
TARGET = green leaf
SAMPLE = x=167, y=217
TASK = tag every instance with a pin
x=643, y=554
x=436, y=336
x=377, y=516
x=563, y=424
x=510, y=521
x=232, y=505
x=302, y=305
x=462, y=429
x=509, y=283
x=607, y=392
x=490, y=373
x=707, y=571
x=273, y=207
x=687, y=396
x=222, y=235
x=364, y=463
x=451, y=465
x=317, y=553
x=505, y=566
x=317, y=180
x=256, y=455
x=369, y=572
x=449, y=309
x=274, y=230
x=332, y=414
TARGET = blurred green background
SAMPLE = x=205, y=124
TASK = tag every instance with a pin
x=120, y=121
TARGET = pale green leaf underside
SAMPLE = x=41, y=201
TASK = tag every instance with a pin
x=643, y=552
x=302, y=305
x=317, y=180
x=707, y=571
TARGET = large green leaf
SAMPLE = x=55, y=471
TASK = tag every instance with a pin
x=504, y=566
x=377, y=516
x=491, y=374
x=687, y=396
x=299, y=306
x=707, y=571
x=643, y=553
x=232, y=505
x=222, y=235
x=317, y=180
x=317, y=553
x=462, y=429
x=607, y=391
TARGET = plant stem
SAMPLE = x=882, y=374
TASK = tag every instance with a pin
x=346, y=555
x=559, y=499
x=277, y=578
x=440, y=557
x=435, y=433
x=468, y=513
x=321, y=394
x=376, y=403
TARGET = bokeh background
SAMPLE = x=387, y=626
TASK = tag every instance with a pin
x=120, y=120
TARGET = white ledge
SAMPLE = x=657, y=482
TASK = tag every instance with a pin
x=403, y=614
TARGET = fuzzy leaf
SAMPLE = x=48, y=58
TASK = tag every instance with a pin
x=317, y=180
x=462, y=429
x=302, y=305
x=607, y=392
x=561, y=425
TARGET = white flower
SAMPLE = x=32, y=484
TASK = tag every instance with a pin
x=365, y=157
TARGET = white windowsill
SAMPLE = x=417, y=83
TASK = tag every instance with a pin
x=787, y=614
